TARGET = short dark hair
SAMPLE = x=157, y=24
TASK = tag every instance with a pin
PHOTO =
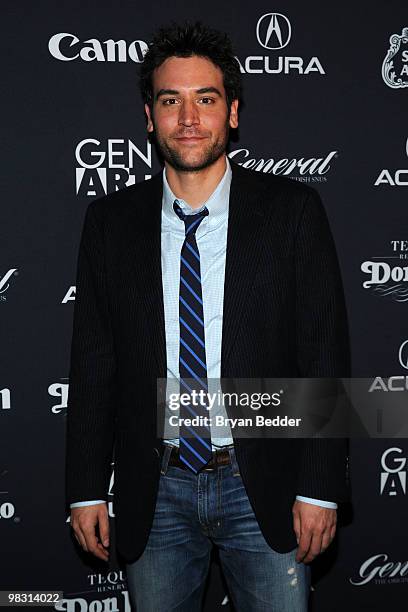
x=186, y=40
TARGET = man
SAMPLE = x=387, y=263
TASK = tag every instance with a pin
x=207, y=270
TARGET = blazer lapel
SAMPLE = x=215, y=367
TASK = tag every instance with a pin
x=245, y=226
x=146, y=245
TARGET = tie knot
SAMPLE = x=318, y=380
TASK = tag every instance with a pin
x=191, y=222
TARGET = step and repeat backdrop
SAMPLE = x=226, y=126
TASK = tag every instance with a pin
x=325, y=103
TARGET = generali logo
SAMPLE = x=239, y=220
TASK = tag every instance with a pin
x=5, y=283
x=302, y=168
x=379, y=569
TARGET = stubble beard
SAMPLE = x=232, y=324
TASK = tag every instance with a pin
x=209, y=155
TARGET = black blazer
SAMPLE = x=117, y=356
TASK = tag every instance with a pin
x=284, y=315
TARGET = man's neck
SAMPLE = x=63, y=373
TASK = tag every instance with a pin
x=196, y=187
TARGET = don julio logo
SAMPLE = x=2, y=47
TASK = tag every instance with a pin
x=273, y=33
x=386, y=278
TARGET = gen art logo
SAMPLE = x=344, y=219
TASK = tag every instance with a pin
x=104, y=167
x=393, y=476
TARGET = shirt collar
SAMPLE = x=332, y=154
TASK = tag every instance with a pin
x=217, y=203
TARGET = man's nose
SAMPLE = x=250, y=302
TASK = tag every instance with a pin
x=188, y=114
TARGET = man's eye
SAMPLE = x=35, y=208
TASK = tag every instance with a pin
x=169, y=101
x=208, y=100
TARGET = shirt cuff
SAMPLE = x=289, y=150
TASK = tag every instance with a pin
x=317, y=502
x=87, y=503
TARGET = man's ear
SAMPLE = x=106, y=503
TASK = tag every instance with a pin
x=233, y=119
x=149, y=118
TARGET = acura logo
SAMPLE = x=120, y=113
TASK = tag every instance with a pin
x=273, y=31
x=403, y=354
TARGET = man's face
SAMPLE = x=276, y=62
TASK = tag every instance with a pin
x=190, y=114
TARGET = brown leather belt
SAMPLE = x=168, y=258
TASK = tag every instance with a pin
x=219, y=457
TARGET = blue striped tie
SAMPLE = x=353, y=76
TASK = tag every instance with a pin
x=195, y=442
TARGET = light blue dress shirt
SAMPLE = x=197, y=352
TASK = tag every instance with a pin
x=211, y=239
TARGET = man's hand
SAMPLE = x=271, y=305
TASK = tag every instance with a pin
x=315, y=528
x=84, y=519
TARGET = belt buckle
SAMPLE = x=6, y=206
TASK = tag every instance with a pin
x=208, y=469
x=215, y=460
x=215, y=463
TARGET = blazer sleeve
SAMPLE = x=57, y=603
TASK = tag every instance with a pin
x=323, y=346
x=92, y=374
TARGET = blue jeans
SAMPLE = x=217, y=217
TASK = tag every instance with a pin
x=193, y=512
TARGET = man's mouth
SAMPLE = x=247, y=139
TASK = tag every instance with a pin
x=190, y=138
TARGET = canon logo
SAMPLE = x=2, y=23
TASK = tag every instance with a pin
x=7, y=510
x=5, y=399
x=67, y=48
